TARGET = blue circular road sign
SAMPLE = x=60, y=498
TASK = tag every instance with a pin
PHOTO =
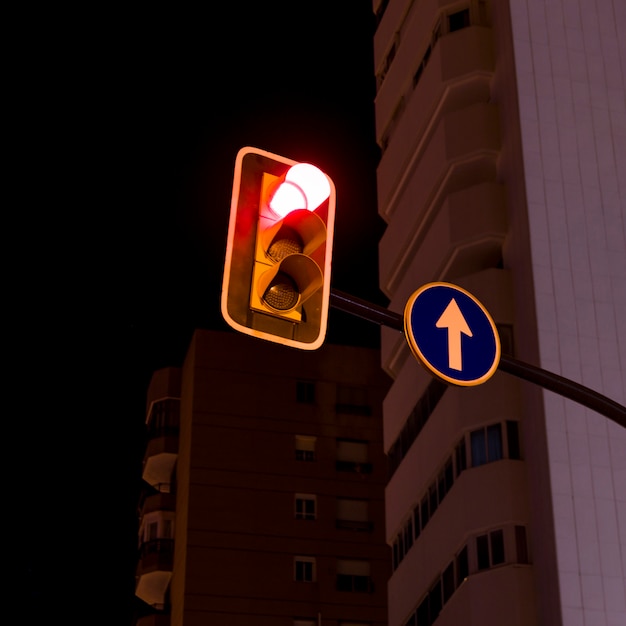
x=451, y=333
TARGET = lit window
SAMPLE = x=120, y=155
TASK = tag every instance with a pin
x=305, y=448
x=352, y=456
x=353, y=576
x=353, y=514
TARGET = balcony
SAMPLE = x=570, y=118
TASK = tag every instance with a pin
x=156, y=619
x=160, y=457
x=161, y=500
x=154, y=571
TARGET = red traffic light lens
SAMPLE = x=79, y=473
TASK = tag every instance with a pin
x=304, y=187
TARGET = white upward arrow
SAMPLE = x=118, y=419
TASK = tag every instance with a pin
x=453, y=320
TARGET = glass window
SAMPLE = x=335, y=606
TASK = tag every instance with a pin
x=434, y=601
x=462, y=566
x=416, y=522
x=486, y=445
x=494, y=442
x=479, y=450
x=460, y=457
x=433, y=501
x=512, y=436
x=497, y=547
x=352, y=456
x=305, y=448
x=482, y=551
x=424, y=511
x=353, y=576
x=458, y=20
x=353, y=513
x=305, y=506
x=521, y=545
x=447, y=581
x=305, y=392
x=408, y=534
x=353, y=400
x=304, y=569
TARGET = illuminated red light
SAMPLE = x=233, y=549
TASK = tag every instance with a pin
x=305, y=187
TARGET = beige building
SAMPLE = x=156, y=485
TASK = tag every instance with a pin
x=502, y=128
x=265, y=476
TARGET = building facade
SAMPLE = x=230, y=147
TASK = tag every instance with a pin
x=502, y=128
x=264, y=481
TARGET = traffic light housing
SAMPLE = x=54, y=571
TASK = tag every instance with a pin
x=278, y=255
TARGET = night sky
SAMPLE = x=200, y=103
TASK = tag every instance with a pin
x=124, y=130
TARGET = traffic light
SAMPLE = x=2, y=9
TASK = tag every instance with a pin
x=278, y=255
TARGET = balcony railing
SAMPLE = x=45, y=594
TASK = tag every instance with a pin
x=353, y=466
x=346, y=524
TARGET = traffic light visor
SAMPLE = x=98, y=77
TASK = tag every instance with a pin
x=304, y=187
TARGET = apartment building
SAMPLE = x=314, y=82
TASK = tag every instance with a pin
x=264, y=479
x=502, y=129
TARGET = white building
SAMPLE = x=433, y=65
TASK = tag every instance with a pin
x=502, y=126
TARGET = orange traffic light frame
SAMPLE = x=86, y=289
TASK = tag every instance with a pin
x=273, y=289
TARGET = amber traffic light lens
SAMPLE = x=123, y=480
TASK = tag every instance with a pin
x=287, y=241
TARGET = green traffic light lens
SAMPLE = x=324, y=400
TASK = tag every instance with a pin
x=282, y=293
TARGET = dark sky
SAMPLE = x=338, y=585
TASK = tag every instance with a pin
x=124, y=131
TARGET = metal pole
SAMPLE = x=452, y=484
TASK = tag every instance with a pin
x=548, y=380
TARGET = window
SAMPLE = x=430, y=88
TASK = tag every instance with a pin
x=305, y=506
x=512, y=437
x=458, y=20
x=305, y=392
x=157, y=525
x=305, y=448
x=434, y=600
x=352, y=456
x=354, y=576
x=433, y=501
x=496, y=539
x=482, y=551
x=353, y=514
x=408, y=534
x=417, y=526
x=460, y=457
x=486, y=445
x=424, y=511
x=304, y=569
x=462, y=566
x=490, y=549
x=415, y=422
x=153, y=529
x=447, y=582
x=521, y=545
x=352, y=400
x=164, y=416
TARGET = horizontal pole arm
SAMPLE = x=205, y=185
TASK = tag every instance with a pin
x=548, y=380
